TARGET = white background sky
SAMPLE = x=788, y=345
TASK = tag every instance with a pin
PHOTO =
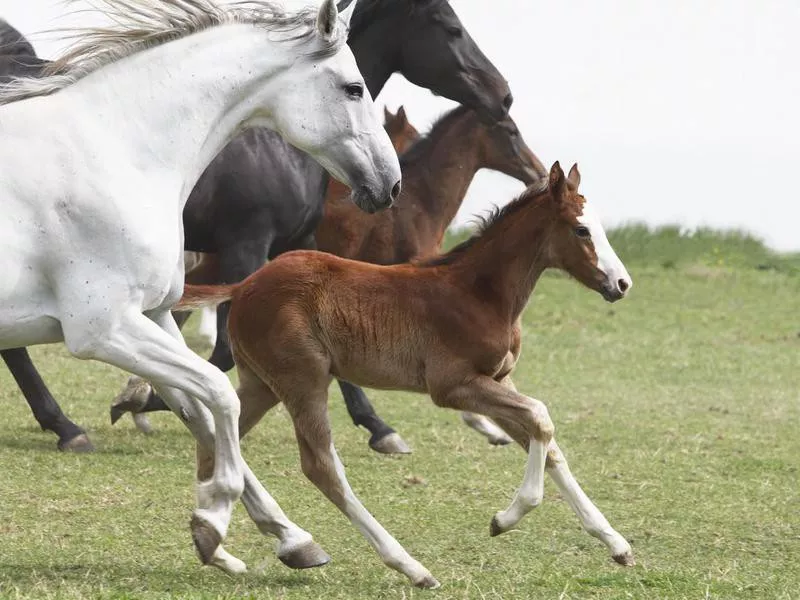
x=678, y=111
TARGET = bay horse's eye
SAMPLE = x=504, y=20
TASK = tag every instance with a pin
x=354, y=90
x=582, y=232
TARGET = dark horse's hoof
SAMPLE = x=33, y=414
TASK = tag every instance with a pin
x=80, y=443
x=306, y=556
x=391, y=443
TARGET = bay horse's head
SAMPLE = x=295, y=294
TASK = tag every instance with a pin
x=401, y=132
x=578, y=243
x=504, y=150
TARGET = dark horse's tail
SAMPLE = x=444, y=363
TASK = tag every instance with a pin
x=199, y=296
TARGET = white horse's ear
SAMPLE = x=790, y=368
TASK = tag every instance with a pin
x=347, y=14
x=326, y=19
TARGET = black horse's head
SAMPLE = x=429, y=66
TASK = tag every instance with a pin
x=426, y=42
x=12, y=42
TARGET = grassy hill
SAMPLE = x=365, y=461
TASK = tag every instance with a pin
x=678, y=409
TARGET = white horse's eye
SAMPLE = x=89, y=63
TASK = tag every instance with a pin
x=354, y=90
x=582, y=232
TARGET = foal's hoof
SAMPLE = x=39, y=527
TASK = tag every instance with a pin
x=206, y=539
x=306, y=556
x=390, y=444
x=132, y=399
x=494, y=527
x=80, y=444
x=626, y=559
x=428, y=582
x=500, y=440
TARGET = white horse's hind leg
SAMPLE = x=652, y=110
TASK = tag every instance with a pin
x=138, y=345
x=485, y=426
x=590, y=517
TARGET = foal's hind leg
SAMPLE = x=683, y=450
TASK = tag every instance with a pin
x=485, y=426
x=296, y=548
x=590, y=517
x=323, y=468
x=384, y=439
x=44, y=407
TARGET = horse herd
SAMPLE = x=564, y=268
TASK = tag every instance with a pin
x=189, y=127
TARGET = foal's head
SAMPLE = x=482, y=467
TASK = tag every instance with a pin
x=401, y=132
x=578, y=243
x=503, y=149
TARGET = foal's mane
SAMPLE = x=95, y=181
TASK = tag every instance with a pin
x=486, y=223
x=141, y=24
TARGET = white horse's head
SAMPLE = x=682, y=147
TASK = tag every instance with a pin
x=324, y=108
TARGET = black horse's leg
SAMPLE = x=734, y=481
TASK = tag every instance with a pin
x=384, y=439
x=44, y=407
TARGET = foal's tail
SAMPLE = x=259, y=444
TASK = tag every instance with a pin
x=199, y=296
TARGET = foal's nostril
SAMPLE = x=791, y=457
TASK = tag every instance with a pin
x=623, y=285
x=508, y=101
x=395, y=191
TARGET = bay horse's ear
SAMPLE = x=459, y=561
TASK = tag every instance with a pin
x=326, y=19
x=574, y=178
x=401, y=114
x=557, y=182
x=346, y=14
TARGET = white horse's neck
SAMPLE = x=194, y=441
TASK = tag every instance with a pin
x=178, y=104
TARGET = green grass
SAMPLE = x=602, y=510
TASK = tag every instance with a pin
x=678, y=409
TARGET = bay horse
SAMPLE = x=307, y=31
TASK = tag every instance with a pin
x=448, y=327
x=97, y=261
x=260, y=196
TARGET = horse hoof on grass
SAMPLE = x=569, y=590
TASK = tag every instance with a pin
x=206, y=539
x=307, y=556
x=494, y=527
x=390, y=444
x=500, y=440
x=428, y=582
x=142, y=423
x=80, y=444
x=626, y=559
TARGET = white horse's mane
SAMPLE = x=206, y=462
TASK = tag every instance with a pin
x=141, y=24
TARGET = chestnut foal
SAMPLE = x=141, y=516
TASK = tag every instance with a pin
x=449, y=327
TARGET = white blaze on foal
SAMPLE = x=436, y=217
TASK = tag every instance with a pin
x=91, y=231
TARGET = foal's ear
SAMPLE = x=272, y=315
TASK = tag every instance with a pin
x=401, y=114
x=574, y=178
x=347, y=13
x=557, y=182
x=327, y=19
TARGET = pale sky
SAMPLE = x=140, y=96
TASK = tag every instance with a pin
x=679, y=111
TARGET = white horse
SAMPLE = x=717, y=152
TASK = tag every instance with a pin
x=96, y=164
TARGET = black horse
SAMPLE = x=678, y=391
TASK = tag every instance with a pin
x=261, y=197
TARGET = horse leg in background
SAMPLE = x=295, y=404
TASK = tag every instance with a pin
x=484, y=426
x=384, y=439
x=208, y=325
x=44, y=407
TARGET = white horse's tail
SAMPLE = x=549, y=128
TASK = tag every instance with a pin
x=199, y=296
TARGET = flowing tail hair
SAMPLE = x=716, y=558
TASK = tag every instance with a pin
x=200, y=296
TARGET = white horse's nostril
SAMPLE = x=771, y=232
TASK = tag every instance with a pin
x=395, y=191
x=623, y=285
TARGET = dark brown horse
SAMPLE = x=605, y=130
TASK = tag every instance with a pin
x=448, y=327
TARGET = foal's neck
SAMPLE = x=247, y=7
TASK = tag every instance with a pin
x=179, y=104
x=439, y=177
x=504, y=264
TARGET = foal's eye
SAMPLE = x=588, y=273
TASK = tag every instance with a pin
x=582, y=232
x=354, y=90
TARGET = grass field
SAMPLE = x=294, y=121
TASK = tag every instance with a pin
x=678, y=409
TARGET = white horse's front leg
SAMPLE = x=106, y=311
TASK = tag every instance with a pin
x=590, y=517
x=133, y=342
x=530, y=493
